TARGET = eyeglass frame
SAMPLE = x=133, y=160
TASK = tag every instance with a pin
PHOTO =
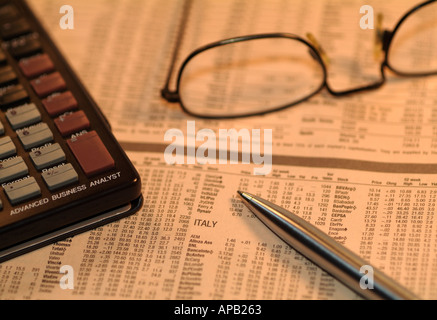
x=384, y=37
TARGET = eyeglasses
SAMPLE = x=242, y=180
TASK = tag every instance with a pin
x=257, y=74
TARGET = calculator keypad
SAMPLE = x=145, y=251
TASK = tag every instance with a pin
x=25, y=118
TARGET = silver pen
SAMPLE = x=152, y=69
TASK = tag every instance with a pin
x=324, y=251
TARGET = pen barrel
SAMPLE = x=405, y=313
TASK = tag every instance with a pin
x=344, y=265
x=328, y=254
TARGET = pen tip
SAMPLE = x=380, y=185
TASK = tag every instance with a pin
x=245, y=195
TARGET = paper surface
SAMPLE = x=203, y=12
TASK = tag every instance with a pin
x=361, y=168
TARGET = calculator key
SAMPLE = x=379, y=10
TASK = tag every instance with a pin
x=12, y=168
x=71, y=123
x=47, y=84
x=60, y=176
x=12, y=96
x=14, y=29
x=58, y=103
x=35, y=136
x=91, y=153
x=47, y=156
x=2, y=56
x=2, y=128
x=7, y=75
x=22, y=116
x=8, y=12
x=7, y=147
x=25, y=46
x=22, y=190
x=36, y=65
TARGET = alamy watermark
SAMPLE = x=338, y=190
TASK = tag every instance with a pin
x=67, y=20
x=366, y=281
x=67, y=280
x=367, y=20
x=212, y=151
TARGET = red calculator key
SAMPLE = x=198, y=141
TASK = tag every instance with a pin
x=91, y=153
x=71, y=123
x=48, y=84
x=36, y=65
x=59, y=103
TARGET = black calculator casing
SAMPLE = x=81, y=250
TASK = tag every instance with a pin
x=95, y=198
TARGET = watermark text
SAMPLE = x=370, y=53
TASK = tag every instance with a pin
x=67, y=20
x=212, y=149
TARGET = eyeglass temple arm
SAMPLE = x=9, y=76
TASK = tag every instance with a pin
x=382, y=38
x=169, y=95
x=312, y=39
x=378, y=42
x=166, y=93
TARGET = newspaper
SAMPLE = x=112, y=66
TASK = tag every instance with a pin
x=361, y=168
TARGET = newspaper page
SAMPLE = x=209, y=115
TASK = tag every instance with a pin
x=361, y=168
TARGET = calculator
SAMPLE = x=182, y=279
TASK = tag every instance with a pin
x=62, y=171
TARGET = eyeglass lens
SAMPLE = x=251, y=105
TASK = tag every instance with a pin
x=414, y=46
x=249, y=77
